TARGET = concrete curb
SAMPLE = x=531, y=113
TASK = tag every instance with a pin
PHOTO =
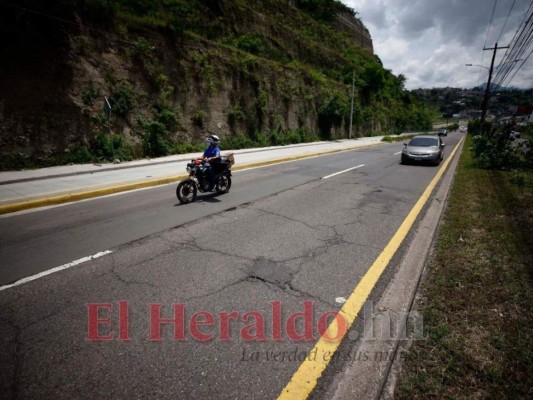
x=418, y=255
x=67, y=198
x=374, y=378
x=87, y=194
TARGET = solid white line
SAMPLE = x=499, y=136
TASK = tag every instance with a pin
x=56, y=269
x=395, y=154
x=342, y=172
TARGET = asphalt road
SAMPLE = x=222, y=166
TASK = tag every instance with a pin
x=281, y=235
x=37, y=241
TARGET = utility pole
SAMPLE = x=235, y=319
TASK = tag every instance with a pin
x=485, y=103
x=351, y=107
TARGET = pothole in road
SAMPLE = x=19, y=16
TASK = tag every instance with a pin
x=270, y=271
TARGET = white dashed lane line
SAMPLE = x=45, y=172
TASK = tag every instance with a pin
x=56, y=269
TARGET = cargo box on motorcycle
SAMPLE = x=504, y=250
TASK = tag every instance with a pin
x=228, y=158
x=222, y=163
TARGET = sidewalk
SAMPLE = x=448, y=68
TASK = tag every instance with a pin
x=20, y=190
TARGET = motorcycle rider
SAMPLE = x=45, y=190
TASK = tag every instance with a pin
x=212, y=153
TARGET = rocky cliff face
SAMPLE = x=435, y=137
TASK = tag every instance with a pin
x=356, y=30
x=244, y=69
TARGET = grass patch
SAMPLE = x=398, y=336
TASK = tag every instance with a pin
x=478, y=309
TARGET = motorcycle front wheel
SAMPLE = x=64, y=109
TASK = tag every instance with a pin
x=186, y=191
x=223, y=184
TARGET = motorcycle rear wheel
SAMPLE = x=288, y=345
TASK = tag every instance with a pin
x=223, y=184
x=186, y=191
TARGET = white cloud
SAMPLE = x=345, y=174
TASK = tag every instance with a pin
x=430, y=41
x=395, y=49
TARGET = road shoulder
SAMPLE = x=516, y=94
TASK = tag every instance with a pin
x=373, y=375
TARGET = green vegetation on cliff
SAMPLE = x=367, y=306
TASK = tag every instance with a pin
x=255, y=72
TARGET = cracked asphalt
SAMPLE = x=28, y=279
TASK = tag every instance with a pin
x=282, y=235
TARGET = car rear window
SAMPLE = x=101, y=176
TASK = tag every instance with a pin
x=423, y=142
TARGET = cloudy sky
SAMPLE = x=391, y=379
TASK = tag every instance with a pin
x=430, y=41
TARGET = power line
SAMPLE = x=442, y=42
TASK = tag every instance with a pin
x=490, y=24
x=519, y=46
x=518, y=69
x=487, y=37
x=506, y=19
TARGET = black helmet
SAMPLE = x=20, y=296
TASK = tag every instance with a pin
x=213, y=140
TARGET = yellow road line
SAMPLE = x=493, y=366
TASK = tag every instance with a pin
x=299, y=157
x=53, y=200
x=87, y=194
x=305, y=378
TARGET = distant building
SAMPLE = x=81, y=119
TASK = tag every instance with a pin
x=522, y=114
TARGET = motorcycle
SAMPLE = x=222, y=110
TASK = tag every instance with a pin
x=202, y=180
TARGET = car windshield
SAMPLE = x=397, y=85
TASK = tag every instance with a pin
x=423, y=142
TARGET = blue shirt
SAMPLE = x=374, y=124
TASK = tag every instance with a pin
x=212, y=151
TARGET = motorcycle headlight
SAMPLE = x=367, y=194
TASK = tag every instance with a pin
x=189, y=169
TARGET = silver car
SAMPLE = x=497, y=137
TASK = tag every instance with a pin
x=423, y=149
